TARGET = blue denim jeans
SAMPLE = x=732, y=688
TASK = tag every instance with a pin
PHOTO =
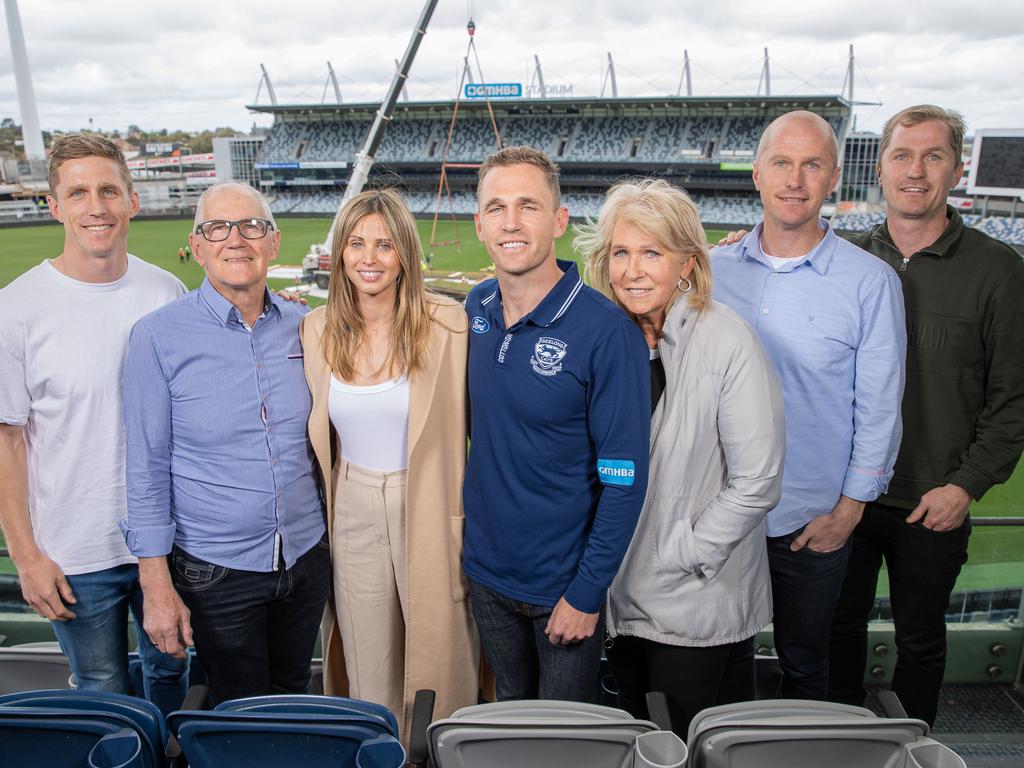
x=96, y=640
x=254, y=632
x=525, y=663
x=805, y=589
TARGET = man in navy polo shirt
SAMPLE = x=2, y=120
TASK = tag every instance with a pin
x=558, y=378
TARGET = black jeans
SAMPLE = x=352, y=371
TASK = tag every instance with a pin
x=805, y=587
x=254, y=632
x=691, y=678
x=525, y=663
x=923, y=566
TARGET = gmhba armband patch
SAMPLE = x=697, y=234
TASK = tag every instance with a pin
x=616, y=471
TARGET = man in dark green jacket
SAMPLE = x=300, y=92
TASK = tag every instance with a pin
x=963, y=408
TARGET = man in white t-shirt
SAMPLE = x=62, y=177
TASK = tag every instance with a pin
x=64, y=328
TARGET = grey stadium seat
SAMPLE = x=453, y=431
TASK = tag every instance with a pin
x=32, y=667
x=538, y=734
x=784, y=734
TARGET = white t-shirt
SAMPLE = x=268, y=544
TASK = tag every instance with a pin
x=372, y=423
x=62, y=350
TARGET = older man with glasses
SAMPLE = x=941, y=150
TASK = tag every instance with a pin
x=224, y=508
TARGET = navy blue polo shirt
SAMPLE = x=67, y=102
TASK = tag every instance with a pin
x=561, y=411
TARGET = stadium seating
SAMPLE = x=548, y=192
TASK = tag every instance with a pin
x=567, y=139
x=31, y=666
x=1000, y=227
x=542, y=734
x=289, y=732
x=785, y=733
x=101, y=730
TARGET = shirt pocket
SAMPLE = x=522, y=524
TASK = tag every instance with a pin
x=831, y=339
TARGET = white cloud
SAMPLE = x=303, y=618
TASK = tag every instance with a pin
x=195, y=64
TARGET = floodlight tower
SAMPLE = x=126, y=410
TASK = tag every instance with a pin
x=30, y=132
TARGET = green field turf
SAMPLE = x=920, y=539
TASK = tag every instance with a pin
x=996, y=554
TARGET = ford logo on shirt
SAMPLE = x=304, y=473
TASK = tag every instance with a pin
x=480, y=325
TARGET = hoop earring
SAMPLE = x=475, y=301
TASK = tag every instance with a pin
x=679, y=285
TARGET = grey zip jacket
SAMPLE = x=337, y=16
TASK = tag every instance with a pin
x=696, y=572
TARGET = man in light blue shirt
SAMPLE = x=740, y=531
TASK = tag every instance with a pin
x=831, y=319
x=224, y=506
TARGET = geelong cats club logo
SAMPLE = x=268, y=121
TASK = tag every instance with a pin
x=547, y=356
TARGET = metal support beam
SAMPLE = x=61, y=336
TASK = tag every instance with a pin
x=331, y=80
x=685, y=76
x=608, y=77
x=766, y=77
x=538, y=77
x=265, y=78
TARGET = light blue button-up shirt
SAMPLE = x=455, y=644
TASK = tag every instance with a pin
x=832, y=323
x=218, y=459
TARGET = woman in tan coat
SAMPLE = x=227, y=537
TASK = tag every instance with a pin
x=386, y=364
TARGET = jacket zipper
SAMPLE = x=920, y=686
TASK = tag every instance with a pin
x=903, y=266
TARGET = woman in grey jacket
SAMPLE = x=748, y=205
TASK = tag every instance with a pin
x=694, y=587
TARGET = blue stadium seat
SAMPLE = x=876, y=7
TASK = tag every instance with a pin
x=224, y=740
x=312, y=706
x=44, y=737
x=287, y=731
x=142, y=716
x=139, y=715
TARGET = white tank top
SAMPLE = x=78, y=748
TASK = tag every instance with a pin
x=372, y=423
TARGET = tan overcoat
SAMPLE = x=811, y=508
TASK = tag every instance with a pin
x=441, y=645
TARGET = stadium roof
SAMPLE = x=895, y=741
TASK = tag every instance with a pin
x=689, y=106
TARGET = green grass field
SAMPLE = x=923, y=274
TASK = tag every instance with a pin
x=996, y=554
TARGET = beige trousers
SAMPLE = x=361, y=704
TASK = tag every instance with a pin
x=368, y=552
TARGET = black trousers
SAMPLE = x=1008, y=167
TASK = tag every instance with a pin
x=923, y=566
x=691, y=678
x=254, y=632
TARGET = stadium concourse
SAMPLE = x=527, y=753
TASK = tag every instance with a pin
x=705, y=145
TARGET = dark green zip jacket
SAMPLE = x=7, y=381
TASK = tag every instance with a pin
x=963, y=407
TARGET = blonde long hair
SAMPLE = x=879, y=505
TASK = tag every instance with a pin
x=665, y=212
x=345, y=331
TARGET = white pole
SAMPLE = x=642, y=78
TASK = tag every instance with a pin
x=30, y=132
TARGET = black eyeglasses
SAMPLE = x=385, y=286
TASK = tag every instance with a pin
x=217, y=230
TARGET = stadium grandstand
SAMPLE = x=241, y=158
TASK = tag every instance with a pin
x=705, y=145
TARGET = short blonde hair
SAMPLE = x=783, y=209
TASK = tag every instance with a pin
x=922, y=113
x=508, y=156
x=74, y=146
x=666, y=213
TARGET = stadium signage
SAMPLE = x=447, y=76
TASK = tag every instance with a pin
x=274, y=166
x=322, y=164
x=533, y=90
x=744, y=166
x=493, y=90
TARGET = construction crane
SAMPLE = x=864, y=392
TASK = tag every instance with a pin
x=365, y=157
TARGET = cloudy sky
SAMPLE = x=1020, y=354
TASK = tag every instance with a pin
x=190, y=64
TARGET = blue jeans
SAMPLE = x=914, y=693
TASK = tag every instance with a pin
x=254, y=632
x=525, y=663
x=96, y=640
x=805, y=589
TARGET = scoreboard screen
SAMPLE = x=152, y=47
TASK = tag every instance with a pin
x=997, y=163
